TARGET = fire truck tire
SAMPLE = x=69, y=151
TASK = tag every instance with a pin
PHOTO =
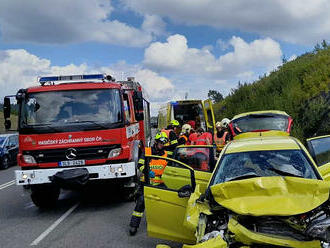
x=45, y=195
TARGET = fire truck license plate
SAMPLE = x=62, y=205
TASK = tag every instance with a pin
x=71, y=163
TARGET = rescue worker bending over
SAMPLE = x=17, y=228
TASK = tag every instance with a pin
x=157, y=167
x=171, y=132
x=222, y=135
x=184, y=137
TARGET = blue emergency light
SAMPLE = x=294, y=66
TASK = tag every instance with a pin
x=72, y=77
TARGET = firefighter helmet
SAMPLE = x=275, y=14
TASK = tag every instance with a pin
x=186, y=128
x=225, y=122
x=161, y=137
x=174, y=123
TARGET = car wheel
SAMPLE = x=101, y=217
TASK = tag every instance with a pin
x=44, y=195
x=5, y=163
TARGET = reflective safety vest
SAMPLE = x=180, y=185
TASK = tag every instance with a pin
x=220, y=141
x=204, y=139
x=185, y=138
x=157, y=166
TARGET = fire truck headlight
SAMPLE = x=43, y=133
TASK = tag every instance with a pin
x=29, y=159
x=24, y=176
x=114, y=153
x=120, y=169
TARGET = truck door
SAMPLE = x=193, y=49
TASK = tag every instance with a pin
x=209, y=116
x=165, y=210
x=319, y=148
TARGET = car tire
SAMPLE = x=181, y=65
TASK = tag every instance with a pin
x=45, y=195
x=5, y=163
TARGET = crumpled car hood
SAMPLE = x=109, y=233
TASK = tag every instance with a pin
x=277, y=196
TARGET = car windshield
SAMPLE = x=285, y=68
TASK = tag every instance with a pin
x=2, y=140
x=199, y=158
x=256, y=122
x=244, y=165
x=75, y=106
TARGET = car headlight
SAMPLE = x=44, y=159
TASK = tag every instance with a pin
x=114, y=153
x=29, y=159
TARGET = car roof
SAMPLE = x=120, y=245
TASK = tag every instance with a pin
x=263, y=144
x=278, y=112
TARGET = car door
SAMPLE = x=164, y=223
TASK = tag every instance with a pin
x=165, y=210
x=200, y=158
x=319, y=148
x=209, y=116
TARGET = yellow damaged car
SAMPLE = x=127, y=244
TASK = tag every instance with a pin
x=264, y=192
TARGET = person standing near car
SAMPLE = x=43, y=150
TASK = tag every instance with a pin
x=184, y=137
x=222, y=135
x=172, y=131
x=156, y=169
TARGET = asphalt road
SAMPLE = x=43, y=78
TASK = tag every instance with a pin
x=95, y=218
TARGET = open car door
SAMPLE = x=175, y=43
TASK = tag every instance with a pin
x=209, y=116
x=319, y=148
x=165, y=209
x=200, y=158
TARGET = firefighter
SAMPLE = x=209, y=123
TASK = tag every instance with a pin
x=184, y=137
x=157, y=167
x=222, y=135
x=171, y=132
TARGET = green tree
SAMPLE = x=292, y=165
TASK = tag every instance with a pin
x=215, y=96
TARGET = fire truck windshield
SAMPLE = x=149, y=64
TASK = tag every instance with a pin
x=71, y=108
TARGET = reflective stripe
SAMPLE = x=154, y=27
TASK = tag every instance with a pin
x=141, y=161
x=170, y=152
x=137, y=214
x=174, y=142
x=141, y=168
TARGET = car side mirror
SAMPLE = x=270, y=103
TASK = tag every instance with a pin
x=185, y=191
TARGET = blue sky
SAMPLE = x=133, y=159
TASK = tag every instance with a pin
x=171, y=47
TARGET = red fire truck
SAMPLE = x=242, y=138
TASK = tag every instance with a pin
x=79, y=128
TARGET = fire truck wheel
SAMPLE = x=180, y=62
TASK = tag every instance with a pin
x=45, y=195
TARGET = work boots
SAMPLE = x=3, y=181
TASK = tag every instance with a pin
x=132, y=230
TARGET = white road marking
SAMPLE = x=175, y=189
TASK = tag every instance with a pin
x=54, y=225
x=5, y=185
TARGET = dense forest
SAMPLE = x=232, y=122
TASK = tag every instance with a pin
x=299, y=87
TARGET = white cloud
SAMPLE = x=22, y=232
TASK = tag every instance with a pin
x=62, y=21
x=296, y=21
x=154, y=24
x=176, y=57
x=20, y=69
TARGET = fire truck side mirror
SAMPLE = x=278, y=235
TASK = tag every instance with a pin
x=7, y=124
x=6, y=108
x=138, y=101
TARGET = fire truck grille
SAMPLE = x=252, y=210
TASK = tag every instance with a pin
x=82, y=153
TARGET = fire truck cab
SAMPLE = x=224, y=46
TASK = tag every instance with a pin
x=74, y=129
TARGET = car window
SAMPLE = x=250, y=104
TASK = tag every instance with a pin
x=321, y=150
x=12, y=141
x=243, y=165
x=199, y=158
x=260, y=122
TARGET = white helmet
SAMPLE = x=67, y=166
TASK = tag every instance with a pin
x=218, y=124
x=186, y=128
x=225, y=122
